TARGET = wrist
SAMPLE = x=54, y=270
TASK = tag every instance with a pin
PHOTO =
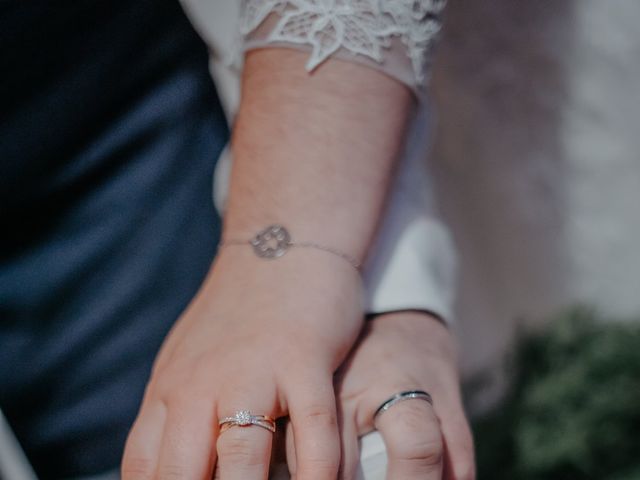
x=299, y=275
x=275, y=241
x=313, y=228
x=303, y=297
x=311, y=265
x=426, y=329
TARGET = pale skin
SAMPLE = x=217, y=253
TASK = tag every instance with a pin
x=313, y=152
x=398, y=352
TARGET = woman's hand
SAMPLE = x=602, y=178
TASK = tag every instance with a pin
x=399, y=352
x=261, y=335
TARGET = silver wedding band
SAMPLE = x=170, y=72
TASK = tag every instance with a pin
x=244, y=418
x=401, y=397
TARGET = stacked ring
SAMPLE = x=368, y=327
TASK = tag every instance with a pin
x=244, y=418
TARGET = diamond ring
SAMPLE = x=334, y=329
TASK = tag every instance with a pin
x=244, y=418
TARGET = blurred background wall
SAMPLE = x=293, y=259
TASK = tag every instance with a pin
x=537, y=160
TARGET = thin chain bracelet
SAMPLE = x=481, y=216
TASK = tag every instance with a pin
x=275, y=240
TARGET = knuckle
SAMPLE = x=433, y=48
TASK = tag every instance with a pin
x=172, y=472
x=464, y=471
x=414, y=424
x=188, y=400
x=319, y=455
x=348, y=475
x=462, y=453
x=320, y=468
x=160, y=388
x=240, y=450
x=415, y=437
x=319, y=458
x=320, y=416
x=137, y=468
x=173, y=384
x=427, y=451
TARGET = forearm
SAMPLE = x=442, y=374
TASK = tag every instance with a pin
x=314, y=152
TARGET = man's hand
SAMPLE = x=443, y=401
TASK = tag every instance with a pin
x=399, y=352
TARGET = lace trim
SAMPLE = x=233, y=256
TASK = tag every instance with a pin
x=363, y=27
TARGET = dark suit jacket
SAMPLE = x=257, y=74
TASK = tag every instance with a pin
x=109, y=131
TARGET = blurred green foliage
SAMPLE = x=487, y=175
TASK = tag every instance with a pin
x=574, y=409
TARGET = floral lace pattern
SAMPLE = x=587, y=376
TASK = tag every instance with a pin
x=364, y=27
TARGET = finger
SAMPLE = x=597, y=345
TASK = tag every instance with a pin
x=187, y=444
x=244, y=451
x=143, y=443
x=312, y=409
x=411, y=433
x=291, y=449
x=350, y=447
x=458, y=442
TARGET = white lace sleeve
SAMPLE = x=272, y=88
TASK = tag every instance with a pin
x=395, y=36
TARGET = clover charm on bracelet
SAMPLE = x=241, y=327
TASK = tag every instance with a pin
x=275, y=240
x=272, y=242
